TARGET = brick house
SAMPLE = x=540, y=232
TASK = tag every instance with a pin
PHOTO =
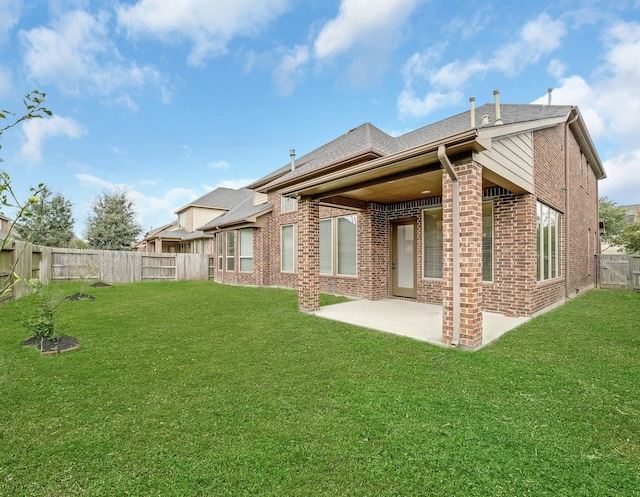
x=182, y=235
x=494, y=209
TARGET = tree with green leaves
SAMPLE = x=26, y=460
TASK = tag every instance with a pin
x=51, y=221
x=630, y=238
x=112, y=226
x=614, y=218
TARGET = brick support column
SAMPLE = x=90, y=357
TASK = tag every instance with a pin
x=308, y=255
x=470, y=257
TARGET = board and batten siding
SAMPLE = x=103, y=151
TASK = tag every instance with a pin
x=510, y=158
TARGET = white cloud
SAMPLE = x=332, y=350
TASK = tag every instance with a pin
x=208, y=24
x=362, y=21
x=10, y=12
x=151, y=211
x=289, y=69
x=78, y=56
x=222, y=164
x=623, y=181
x=538, y=37
x=36, y=131
x=411, y=105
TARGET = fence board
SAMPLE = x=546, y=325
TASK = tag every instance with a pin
x=109, y=266
x=617, y=271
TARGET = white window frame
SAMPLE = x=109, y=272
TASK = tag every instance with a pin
x=230, y=252
x=220, y=249
x=294, y=251
x=288, y=204
x=548, y=242
x=245, y=251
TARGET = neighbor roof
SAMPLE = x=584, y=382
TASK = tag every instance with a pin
x=366, y=138
x=243, y=212
x=220, y=198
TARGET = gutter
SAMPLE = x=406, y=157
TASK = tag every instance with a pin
x=446, y=164
x=567, y=290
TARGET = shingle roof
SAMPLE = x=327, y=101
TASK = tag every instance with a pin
x=243, y=211
x=220, y=198
x=367, y=137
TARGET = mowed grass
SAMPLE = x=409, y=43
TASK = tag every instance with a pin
x=199, y=389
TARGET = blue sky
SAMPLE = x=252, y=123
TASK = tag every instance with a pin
x=170, y=102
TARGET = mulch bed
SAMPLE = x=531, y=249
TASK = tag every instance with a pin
x=100, y=284
x=80, y=296
x=53, y=345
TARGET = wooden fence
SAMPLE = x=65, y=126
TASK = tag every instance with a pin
x=109, y=266
x=618, y=271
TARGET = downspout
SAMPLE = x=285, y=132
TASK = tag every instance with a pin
x=446, y=164
x=567, y=290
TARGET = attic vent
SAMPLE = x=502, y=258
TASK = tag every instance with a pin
x=485, y=119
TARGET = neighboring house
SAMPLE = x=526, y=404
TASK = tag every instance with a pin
x=633, y=213
x=5, y=222
x=183, y=235
x=494, y=209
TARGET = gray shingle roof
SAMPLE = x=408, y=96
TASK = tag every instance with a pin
x=238, y=214
x=367, y=137
x=220, y=198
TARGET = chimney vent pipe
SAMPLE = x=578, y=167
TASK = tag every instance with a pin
x=292, y=154
x=496, y=94
x=472, y=101
x=549, y=94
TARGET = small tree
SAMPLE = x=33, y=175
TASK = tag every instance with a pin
x=614, y=219
x=630, y=238
x=50, y=223
x=34, y=104
x=112, y=225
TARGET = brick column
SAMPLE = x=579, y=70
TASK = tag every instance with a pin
x=470, y=256
x=308, y=255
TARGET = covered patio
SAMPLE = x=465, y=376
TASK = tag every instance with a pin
x=411, y=319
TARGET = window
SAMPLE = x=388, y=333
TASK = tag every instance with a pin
x=245, y=250
x=219, y=243
x=182, y=219
x=287, y=248
x=432, y=243
x=338, y=246
x=288, y=204
x=548, y=242
x=231, y=248
x=347, y=245
x=326, y=246
x=487, y=241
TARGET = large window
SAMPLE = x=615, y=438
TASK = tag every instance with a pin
x=548, y=242
x=487, y=241
x=432, y=243
x=245, y=250
x=339, y=246
x=287, y=248
x=231, y=250
x=326, y=246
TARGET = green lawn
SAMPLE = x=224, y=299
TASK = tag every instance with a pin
x=198, y=389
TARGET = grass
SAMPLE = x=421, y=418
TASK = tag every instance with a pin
x=198, y=389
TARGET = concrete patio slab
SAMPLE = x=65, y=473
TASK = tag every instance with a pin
x=411, y=319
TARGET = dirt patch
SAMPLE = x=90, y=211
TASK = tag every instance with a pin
x=100, y=284
x=80, y=296
x=53, y=345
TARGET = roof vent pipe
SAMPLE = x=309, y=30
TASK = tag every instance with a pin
x=472, y=101
x=292, y=154
x=496, y=94
x=549, y=96
x=485, y=119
